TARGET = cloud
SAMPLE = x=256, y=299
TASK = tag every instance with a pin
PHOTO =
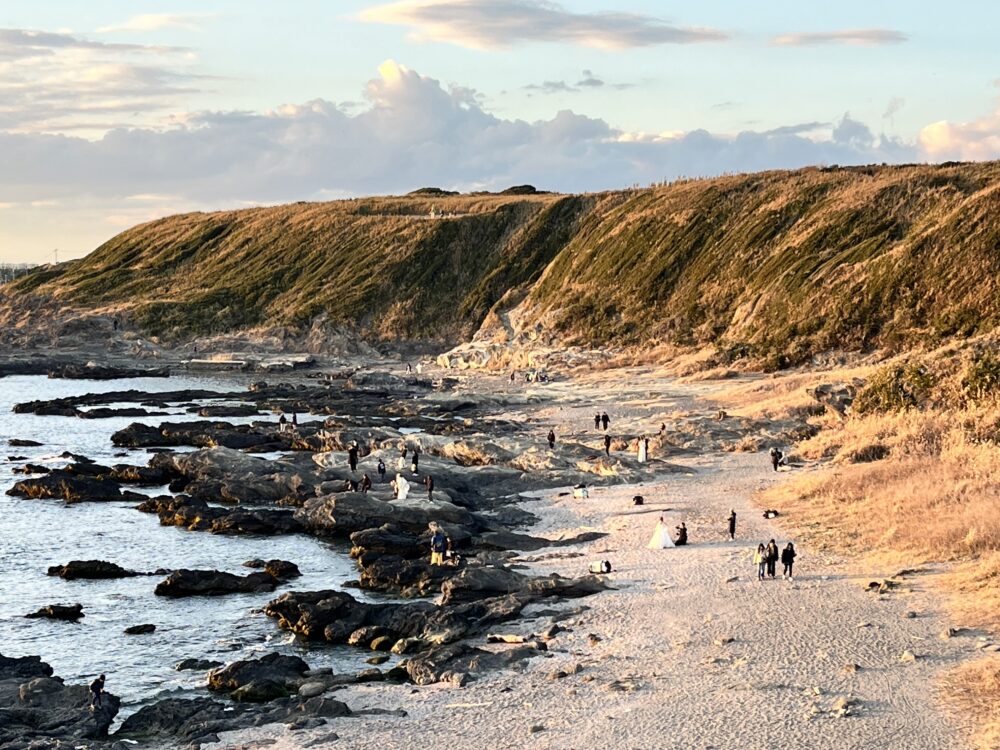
x=159, y=22
x=498, y=24
x=413, y=132
x=853, y=37
x=59, y=82
x=589, y=81
x=978, y=140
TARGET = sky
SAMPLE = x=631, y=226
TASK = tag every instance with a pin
x=116, y=112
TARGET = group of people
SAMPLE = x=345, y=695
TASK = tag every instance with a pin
x=442, y=552
x=766, y=559
x=285, y=426
x=400, y=485
x=663, y=539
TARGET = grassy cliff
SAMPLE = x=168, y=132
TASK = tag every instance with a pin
x=777, y=265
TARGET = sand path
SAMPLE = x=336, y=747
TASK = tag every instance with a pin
x=661, y=672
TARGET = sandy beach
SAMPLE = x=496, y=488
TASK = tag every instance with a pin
x=688, y=649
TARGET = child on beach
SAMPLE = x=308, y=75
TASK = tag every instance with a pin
x=760, y=560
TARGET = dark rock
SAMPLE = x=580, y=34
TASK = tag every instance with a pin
x=453, y=661
x=90, y=570
x=31, y=469
x=91, y=371
x=280, y=569
x=73, y=487
x=230, y=410
x=196, y=665
x=186, y=582
x=508, y=540
x=47, y=710
x=103, y=412
x=396, y=575
x=259, y=691
x=140, y=629
x=70, y=613
x=340, y=515
x=197, y=515
x=23, y=668
x=275, y=668
x=23, y=443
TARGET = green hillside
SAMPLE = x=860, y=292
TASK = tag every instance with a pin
x=780, y=265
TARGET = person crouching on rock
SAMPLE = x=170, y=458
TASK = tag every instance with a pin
x=552, y=439
x=439, y=545
x=366, y=484
x=96, y=691
x=682, y=535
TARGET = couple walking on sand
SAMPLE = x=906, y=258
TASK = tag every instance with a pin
x=766, y=560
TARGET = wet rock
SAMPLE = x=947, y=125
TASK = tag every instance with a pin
x=198, y=515
x=197, y=434
x=30, y=469
x=93, y=371
x=186, y=582
x=70, y=613
x=73, y=488
x=196, y=665
x=280, y=569
x=47, y=710
x=91, y=570
x=23, y=667
x=103, y=412
x=140, y=629
x=23, y=443
x=283, y=671
x=224, y=410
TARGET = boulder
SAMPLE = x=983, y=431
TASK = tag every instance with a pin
x=273, y=668
x=196, y=665
x=280, y=569
x=70, y=613
x=342, y=514
x=73, y=487
x=140, y=629
x=186, y=582
x=23, y=667
x=23, y=443
x=91, y=570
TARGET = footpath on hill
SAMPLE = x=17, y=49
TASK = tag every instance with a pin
x=688, y=649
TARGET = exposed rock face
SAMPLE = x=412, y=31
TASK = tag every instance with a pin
x=196, y=665
x=198, y=434
x=70, y=613
x=90, y=570
x=73, y=488
x=340, y=515
x=280, y=569
x=838, y=398
x=456, y=662
x=198, y=515
x=274, y=668
x=92, y=371
x=34, y=705
x=186, y=582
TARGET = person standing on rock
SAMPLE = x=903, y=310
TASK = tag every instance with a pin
x=552, y=439
x=760, y=560
x=787, y=561
x=439, y=545
x=295, y=422
x=96, y=693
x=607, y=445
x=366, y=484
x=772, y=558
x=642, y=449
x=401, y=461
x=415, y=466
x=605, y=420
x=732, y=525
x=429, y=484
x=381, y=471
x=352, y=455
x=282, y=422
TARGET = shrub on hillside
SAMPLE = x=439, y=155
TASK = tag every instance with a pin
x=895, y=388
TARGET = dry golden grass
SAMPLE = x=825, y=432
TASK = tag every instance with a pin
x=974, y=690
x=782, y=395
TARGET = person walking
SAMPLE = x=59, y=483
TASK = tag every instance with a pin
x=552, y=439
x=787, y=561
x=352, y=455
x=429, y=484
x=732, y=525
x=605, y=420
x=597, y=420
x=381, y=471
x=439, y=545
x=772, y=558
x=607, y=444
x=777, y=457
x=760, y=560
x=512, y=375
x=415, y=466
x=97, y=693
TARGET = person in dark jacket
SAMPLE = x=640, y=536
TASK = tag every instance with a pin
x=429, y=484
x=732, y=524
x=352, y=456
x=682, y=535
x=787, y=561
x=381, y=471
x=552, y=439
x=597, y=420
x=415, y=465
x=366, y=484
x=777, y=458
x=605, y=420
x=607, y=444
x=772, y=557
x=96, y=693
x=439, y=545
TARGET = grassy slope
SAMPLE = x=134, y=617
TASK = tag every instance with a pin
x=781, y=264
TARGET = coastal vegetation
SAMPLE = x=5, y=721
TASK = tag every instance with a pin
x=769, y=268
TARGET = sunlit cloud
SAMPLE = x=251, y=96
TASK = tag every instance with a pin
x=852, y=37
x=159, y=22
x=498, y=24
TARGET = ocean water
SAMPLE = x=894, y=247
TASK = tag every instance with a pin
x=35, y=534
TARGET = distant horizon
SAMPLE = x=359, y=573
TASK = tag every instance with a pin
x=113, y=119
